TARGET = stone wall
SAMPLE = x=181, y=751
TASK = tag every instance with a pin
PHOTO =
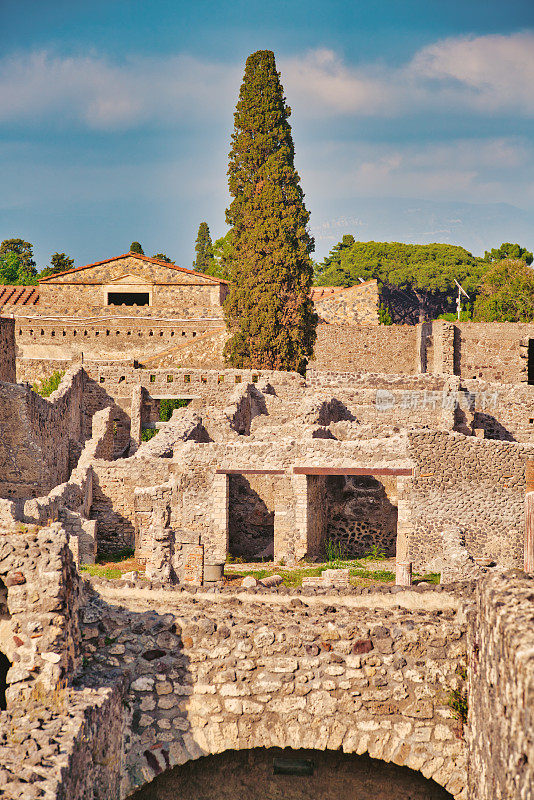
x=491, y=350
x=473, y=485
x=356, y=305
x=232, y=673
x=501, y=689
x=7, y=350
x=369, y=348
x=40, y=439
x=41, y=638
x=116, y=337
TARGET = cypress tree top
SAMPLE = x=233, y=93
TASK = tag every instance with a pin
x=268, y=309
x=203, y=249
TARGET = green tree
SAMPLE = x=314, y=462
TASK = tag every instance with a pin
x=507, y=250
x=269, y=310
x=203, y=249
x=222, y=256
x=426, y=271
x=26, y=273
x=507, y=294
x=333, y=259
x=9, y=268
x=59, y=262
x=163, y=257
x=135, y=247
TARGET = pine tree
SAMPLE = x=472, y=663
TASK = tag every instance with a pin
x=203, y=249
x=135, y=247
x=59, y=262
x=269, y=310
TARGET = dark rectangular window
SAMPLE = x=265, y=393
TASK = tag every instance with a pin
x=531, y=362
x=128, y=299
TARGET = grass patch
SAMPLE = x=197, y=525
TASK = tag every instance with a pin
x=293, y=577
x=102, y=572
x=430, y=577
x=46, y=386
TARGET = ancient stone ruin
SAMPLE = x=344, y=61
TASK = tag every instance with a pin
x=413, y=441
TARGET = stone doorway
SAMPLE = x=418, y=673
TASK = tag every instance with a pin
x=251, y=504
x=361, y=515
x=530, y=362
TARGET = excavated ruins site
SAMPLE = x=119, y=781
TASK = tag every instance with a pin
x=413, y=440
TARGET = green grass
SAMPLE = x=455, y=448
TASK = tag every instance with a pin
x=293, y=577
x=430, y=577
x=102, y=572
x=148, y=433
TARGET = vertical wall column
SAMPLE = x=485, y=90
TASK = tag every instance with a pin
x=220, y=516
x=403, y=566
x=300, y=492
x=529, y=518
x=284, y=519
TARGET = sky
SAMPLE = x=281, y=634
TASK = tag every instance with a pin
x=412, y=119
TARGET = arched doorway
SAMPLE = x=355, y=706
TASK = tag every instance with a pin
x=276, y=774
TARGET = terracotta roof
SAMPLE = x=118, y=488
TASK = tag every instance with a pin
x=142, y=258
x=322, y=292
x=19, y=295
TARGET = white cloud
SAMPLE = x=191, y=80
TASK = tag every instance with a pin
x=494, y=72
x=485, y=74
x=105, y=95
x=322, y=84
x=493, y=170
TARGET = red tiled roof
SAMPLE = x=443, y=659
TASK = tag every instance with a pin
x=19, y=295
x=135, y=255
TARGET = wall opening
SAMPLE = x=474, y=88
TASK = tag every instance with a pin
x=251, y=517
x=362, y=514
x=253, y=774
x=5, y=664
x=128, y=299
x=530, y=362
x=5, y=633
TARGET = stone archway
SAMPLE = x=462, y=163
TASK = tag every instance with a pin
x=339, y=734
x=292, y=775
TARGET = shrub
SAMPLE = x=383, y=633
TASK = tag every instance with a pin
x=49, y=385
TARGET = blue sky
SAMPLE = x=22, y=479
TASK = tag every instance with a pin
x=412, y=120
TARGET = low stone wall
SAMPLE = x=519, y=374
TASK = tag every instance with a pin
x=501, y=690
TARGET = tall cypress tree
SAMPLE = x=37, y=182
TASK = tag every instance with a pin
x=269, y=310
x=135, y=247
x=203, y=249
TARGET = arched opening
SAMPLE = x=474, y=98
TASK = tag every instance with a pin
x=276, y=774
